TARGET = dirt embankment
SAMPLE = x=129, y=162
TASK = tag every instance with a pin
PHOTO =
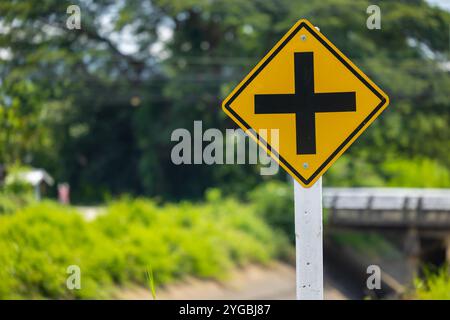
x=276, y=281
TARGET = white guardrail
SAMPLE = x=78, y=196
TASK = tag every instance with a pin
x=384, y=206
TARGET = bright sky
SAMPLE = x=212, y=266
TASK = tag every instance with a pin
x=445, y=4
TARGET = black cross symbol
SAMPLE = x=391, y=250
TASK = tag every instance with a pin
x=305, y=102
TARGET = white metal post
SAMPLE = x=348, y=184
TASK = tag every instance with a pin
x=308, y=241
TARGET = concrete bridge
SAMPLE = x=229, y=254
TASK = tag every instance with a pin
x=418, y=220
x=398, y=208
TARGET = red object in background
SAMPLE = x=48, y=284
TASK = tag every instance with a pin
x=64, y=193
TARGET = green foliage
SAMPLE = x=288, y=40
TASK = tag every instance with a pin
x=13, y=182
x=353, y=172
x=151, y=282
x=274, y=201
x=391, y=172
x=421, y=173
x=39, y=242
x=230, y=232
x=66, y=96
x=11, y=202
x=435, y=286
x=15, y=193
x=370, y=244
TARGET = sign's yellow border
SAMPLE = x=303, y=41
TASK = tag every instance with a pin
x=384, y=101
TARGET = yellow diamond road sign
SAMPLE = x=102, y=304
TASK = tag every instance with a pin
x=315, y=96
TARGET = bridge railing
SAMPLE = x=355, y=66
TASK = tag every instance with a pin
x=388, y=207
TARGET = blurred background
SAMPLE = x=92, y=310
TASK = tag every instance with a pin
x=86, y=178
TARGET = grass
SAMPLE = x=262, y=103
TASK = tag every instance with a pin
x=151, y=282
x=435, y=286
x=135, y=242
x=370, y=244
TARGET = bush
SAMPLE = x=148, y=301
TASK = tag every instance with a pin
x=435, y=286
x=14, y=192
x=11, y=202
x=204, y=240
x=14, y=184
x=353, y=172
x=419, y=173
x=39, y=242
x=393, y=172
x=274, y=202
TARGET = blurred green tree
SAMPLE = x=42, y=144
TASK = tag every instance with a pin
x=96, y=106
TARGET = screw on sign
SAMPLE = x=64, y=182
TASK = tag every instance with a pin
x=320, y=102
